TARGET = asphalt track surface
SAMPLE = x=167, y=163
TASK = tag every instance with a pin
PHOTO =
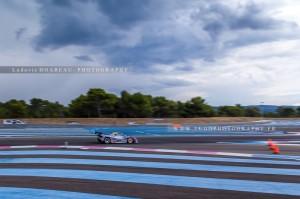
x=208, y=143
x=128, y=171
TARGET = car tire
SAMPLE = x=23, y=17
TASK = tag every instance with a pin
x=130, y=141
x=99, y=141
x=106, y=141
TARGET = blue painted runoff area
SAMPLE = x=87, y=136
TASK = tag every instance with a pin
x=158, y=156
x=170, y=180
x=48, y=132
x=246, y=142
x=142, y=130
x=155, y=165
x=254, y=142
x=169, y=131
x=21, y=193
x=276, y=156
x=283, y=123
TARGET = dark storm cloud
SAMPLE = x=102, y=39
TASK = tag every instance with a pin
x=186, y=68
x=218, y=18
x=64, y=3
x=145, y=54
x=172, y=82
x=20, y=32
x=110, y=26
x=63, y=25
x=84, y=58
x=251, y=17
x=126, y=13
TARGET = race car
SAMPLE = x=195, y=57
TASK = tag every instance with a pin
x=115, y=137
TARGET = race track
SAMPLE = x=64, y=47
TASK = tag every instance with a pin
x=190, y=166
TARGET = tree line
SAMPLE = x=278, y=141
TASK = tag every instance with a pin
x=98, y=103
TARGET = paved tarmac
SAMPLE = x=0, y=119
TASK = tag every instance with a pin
x=217, y=166
x=145, y=174
x=178, y=142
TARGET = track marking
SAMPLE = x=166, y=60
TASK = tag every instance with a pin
x=21, y=193
x=158, y=150
x=280, y=143
x=22, y=147
x=138, y=155
x=170, y=151
x=156, y=165
x=170, y=180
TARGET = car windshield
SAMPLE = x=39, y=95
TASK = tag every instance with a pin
x=117, y=134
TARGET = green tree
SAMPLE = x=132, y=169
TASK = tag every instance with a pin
x=16, y=108
x=109, y=104
x=271, y=115
x=251, y=112
x=39, y=108
x=298, y=112
x=183, y=109
x=142, y=105
x=286, y=112
x=96, y=103
x=36, y=108
x=101, y=103
x=2, y=111
x=79, y=107
x=94, y=99
x=231, y=111
x=200, y=109
x=196, y=107
x=164, y=108
x=55, y=110
x=123, y=105
x=135, y=105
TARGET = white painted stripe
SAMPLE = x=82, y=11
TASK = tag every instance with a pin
x=70, y=147
x=119, y=148
x=293, y=141
x=155, y=150
x=170, y=151
x=21, y=147
x=156, y=165
x=288, y=144
x=142, y=155
x=234, y=154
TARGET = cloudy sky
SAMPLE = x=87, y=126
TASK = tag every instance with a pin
x=227, y=52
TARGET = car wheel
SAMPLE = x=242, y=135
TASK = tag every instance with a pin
x=107, y=140
x=99, y=140
x=130, y=141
